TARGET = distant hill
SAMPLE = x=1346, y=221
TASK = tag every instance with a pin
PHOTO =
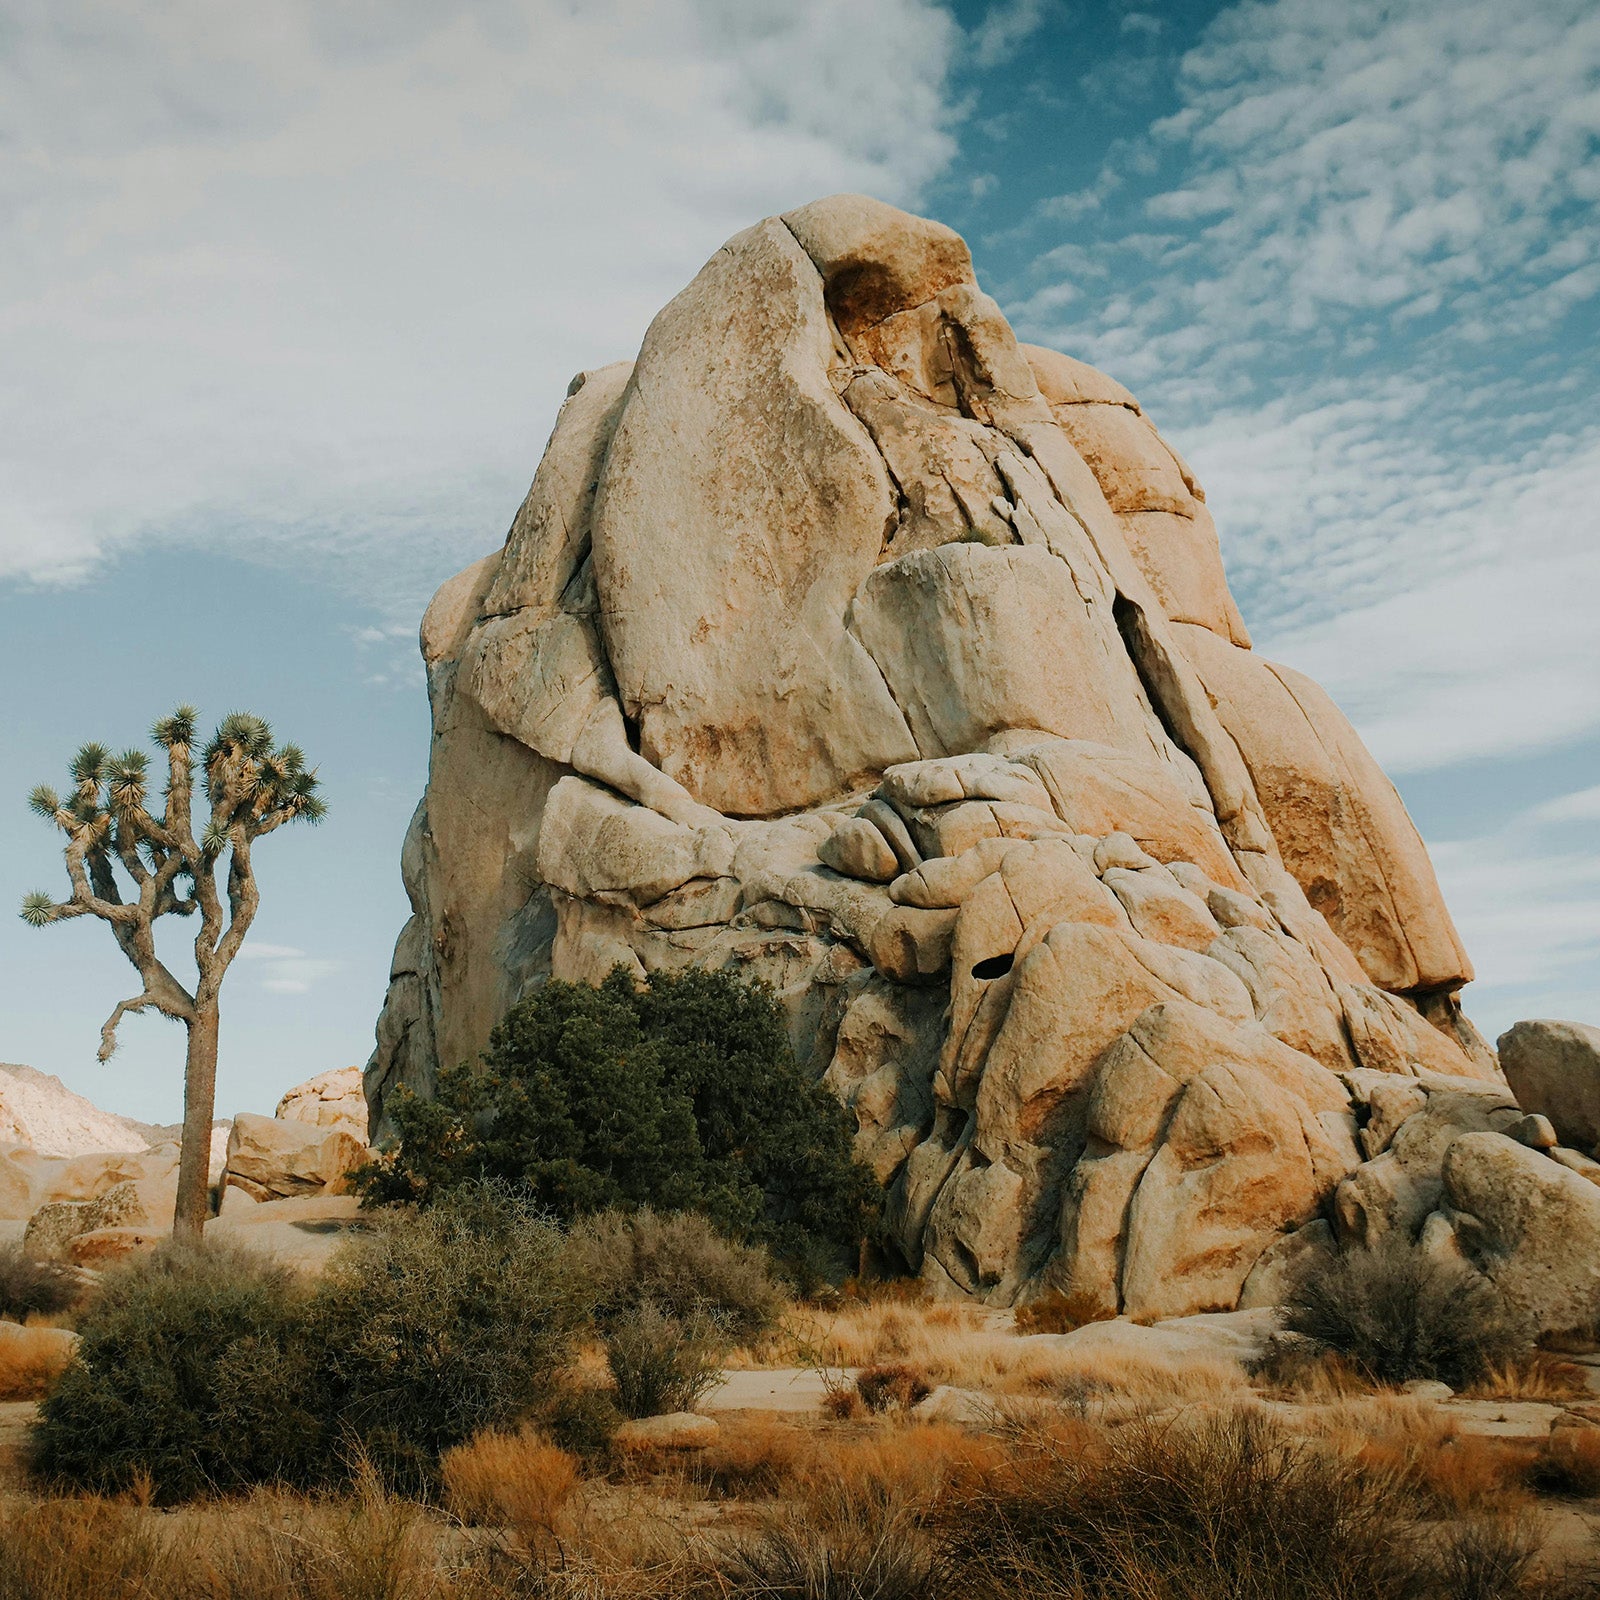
x=41, y=1111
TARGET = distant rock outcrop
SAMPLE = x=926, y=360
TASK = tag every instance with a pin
x=847, y=641
x=41, y=1112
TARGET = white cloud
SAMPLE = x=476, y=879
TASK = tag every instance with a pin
x=311, y=278
x=1530, y=918
x=1581, y=806
x=285, y=969
x=1359, y=199
x=1142, y=22
x=1005, y=25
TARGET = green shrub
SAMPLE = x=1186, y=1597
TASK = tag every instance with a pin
x=661, y=1363
x=682, y=1094
x=208, y=1369
x=192, y=1368
x=679, y=1262
x=1398, y=1313
x=31, y=1287
x=441, y=1323
x=580, y=1418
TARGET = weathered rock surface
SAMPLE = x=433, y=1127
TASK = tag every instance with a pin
x=41, y=1113
x=275, y=1159
x=333, y=1099
x=844, y=641
x=1554, y=1070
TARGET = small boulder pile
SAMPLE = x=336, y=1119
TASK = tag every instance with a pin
x=96, y=1206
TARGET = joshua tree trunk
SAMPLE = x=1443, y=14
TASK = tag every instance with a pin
x=199, y=1105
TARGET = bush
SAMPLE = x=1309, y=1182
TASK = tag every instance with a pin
x=29, y=1287
x=443, y=1323
x=31, y=1359
x=891, y=1388
x=1208, y=1507
x=1398, y=1313
x=1055, y=1312
x=799, y=1557
x=192, y=1370
x=213, y=1370
x=516, y=1480
x=681, y=1264
x=662, y=1363
x=682, y=1095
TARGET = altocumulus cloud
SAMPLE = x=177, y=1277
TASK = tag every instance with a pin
x=1351, y=296
x=307, y=280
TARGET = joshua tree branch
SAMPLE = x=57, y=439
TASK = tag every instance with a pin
x=168, y=1005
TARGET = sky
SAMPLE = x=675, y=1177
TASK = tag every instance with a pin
x=289, y=296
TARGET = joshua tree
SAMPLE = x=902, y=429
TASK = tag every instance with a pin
x=251, y=788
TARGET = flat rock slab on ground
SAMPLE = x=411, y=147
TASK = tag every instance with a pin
x=1222, y=1335
x=1501, y=1419
x=302, y=1232
x=774, y=1389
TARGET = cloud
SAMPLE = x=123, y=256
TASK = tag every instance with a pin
x=308, y=280
x=1391, y=160
x=1142, y=22
x=1004, y=27
x=284, y=969
x=1580, y=806
x=1529, y=915
x=1343, y=301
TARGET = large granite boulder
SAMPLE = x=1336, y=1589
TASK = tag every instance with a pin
x=844, y=641
x=332, y=1099
x=272, y=1158
x=1554, y=1069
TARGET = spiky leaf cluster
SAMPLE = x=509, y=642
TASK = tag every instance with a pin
x=107, y=815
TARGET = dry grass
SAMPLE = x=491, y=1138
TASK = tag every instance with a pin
x=1056, y=1312
x=515, y=1480
x=1411, y=1445
x=31, y=1359
x=1538, y=1375
x=1569, y=1464
x=894, y=1387
x=970, y=1347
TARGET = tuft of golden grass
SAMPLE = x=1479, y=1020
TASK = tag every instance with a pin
x=1569, y=1464
x=972, y=1347
x=1417, y=1448
x=31, y=1359
x=1539, y=1375
x=514, y=1480
x=1055, y=1312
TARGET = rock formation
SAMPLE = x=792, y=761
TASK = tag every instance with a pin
x=846, y=641
x=41, y=1112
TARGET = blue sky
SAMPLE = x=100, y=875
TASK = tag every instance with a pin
x=289, y=295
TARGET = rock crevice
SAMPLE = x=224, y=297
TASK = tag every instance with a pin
x=845, y=641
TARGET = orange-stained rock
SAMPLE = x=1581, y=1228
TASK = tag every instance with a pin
x=844, y=642
x=1337, y=820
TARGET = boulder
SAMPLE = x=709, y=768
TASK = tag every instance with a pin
x=330, y=1100
x=40, y=1112
x=16, y=1186
x=104, y=1247
x=272, y=1159
x=53, y=1228
x=844, y=642
x=1531, y=1225
x=1554, y=1070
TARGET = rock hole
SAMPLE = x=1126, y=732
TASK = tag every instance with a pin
x=993, y=966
